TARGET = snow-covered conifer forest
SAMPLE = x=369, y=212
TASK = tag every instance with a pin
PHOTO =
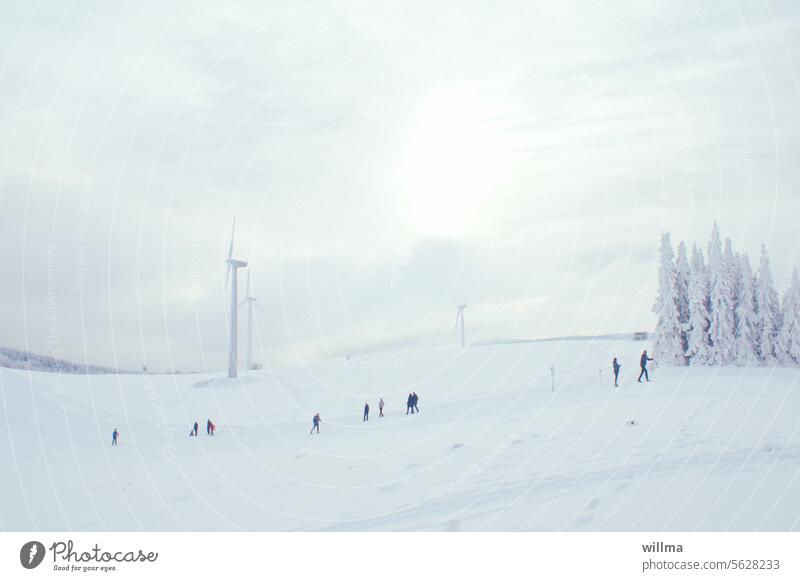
x=714, y=310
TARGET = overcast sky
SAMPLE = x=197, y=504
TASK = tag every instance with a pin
x=379, y=157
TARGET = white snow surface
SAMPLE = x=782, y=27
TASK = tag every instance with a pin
x=493, y=448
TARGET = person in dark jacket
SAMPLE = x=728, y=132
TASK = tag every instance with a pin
x=416, y=399
x=380, y=408
x=366, y=412
x=114, y=437
x=316, y=420
x=208, y=427
x=194, y=429
x=643, y=364
x=615, y=364
x=410, y=404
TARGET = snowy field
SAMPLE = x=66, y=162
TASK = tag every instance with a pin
x=492, y=449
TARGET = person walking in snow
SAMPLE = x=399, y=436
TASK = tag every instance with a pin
x=380, y=408
x=414, y=403
x=643, y=364
x=114, y=437
x=208, y=427
x=410, y=404
x=615, y=364
x=194, y=429
x=316, y=420
x=366, y=411
x=211, y=428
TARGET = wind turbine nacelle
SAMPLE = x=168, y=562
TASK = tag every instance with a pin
x=237, y=263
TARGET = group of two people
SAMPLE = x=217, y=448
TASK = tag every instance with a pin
x=411, y=403
x=210, y=427
x=642, y=364
x=366, y=410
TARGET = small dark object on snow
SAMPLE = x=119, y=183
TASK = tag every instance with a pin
x=632, y=423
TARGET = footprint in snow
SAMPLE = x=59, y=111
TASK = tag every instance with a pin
x=457, y=445
x=584, y=520
x=594, y=503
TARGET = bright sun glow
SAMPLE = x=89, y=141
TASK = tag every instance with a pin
x=455, y=160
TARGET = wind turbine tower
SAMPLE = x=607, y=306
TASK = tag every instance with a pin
x=460, y=318
x=233, y=266
x=251, y=302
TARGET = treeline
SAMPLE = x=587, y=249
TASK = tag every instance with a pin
x=17, y=359
x=712, y=309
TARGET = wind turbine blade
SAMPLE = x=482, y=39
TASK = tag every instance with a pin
x=243, y=302
x=248, y=283
x=454, y=300
x=230, y=254
x=458, y=316
x=233, y=231
x=256, y=305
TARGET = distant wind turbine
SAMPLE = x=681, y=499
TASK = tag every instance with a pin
x=233, y=266
x=460, y=317
x=251, y=302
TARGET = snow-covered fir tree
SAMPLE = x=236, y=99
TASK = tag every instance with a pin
x=788, y=345
x=683, y=275
x=697, y=348
x=730, y=262
x=744, y=335
x=720, y=328
x=767, y=312
x=669, y=332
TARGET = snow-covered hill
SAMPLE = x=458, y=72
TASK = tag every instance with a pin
x=16, y=359
x=492, y=449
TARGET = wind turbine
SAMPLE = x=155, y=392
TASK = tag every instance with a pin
x=251, y=302
x=460, y=318
x=233, y=265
